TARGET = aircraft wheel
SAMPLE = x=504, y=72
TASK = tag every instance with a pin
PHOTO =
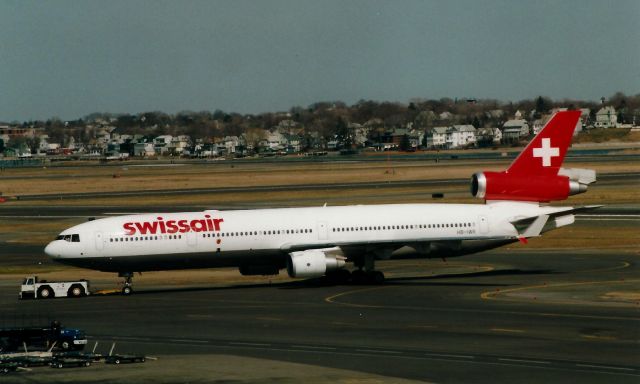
x=376, y=277
x=127, y=290
x=358, y=277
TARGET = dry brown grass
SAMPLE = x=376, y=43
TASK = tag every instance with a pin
x=238, y=174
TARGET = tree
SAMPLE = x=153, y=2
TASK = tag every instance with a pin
x=542, y=106
x=343, y=135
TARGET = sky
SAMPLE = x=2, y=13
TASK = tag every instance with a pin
x=67, y=59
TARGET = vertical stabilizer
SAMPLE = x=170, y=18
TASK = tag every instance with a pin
x=545, y=153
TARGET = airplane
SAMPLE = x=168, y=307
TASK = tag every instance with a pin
x=320, y=241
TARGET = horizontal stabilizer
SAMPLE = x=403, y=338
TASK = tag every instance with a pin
x=533, y=226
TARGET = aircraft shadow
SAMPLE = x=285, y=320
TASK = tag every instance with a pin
x=323, y=282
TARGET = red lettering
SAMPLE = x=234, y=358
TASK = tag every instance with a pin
x=162, y=228
x=184, y=226
x=198, y=225
x=171, y=226
x=130, y=229
x=147, y=227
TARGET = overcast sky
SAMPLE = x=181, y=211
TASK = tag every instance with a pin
x=71, y=58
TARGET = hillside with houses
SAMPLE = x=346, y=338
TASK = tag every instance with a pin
x=367, y=125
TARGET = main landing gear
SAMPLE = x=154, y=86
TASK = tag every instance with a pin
x=364, y=274
x=127, y=289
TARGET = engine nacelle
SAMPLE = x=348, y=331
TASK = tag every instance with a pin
x=312, y=263
x=504, y=186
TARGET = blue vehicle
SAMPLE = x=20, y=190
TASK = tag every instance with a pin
x=66, y=339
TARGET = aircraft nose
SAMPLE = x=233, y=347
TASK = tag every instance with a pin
x=52, y=249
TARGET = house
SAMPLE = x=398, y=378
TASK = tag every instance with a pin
x=488, y=136
x=436, y=137
x=161, y=144
x=179, y=144
x=538, y=125
x=142, y=149
x=606, y=118
x=460, y=136
x=231, y=144
x=514, y=130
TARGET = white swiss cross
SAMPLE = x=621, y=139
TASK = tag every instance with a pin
x=546, y=152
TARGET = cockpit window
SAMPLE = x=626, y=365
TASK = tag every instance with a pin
x=75, y=238
x=67, y=237
x=59, y=237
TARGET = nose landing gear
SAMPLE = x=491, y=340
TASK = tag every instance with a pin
x=127, y=289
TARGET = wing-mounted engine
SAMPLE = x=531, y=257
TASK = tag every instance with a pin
x=535, y=188
x=314, y=262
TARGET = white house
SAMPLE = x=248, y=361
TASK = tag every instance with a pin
x=459, y=136
x=437, y=137
x=606, y=117
x=143, y=149
x=231, y=144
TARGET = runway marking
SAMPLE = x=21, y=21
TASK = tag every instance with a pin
x=605, y=367
x=331, y=299
x=189, y=341
x=314, y=347
x=599, y=337
x=421, y=326
x=623, y=266
x=249, y=344
x=525, y=361
x=494, y=295
x=379, y=351
x=508, y=330
x=450, y=356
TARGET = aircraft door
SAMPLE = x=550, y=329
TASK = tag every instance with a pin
x=484, y=225
x=322, y=230
x=99, y=241
x=192, y=238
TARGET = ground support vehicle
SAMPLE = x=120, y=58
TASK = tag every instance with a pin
x=32, y=288
x=123, y=359
x=30, y=361
x=14, y=339
x=66, y=362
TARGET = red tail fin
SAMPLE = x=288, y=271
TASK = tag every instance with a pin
x=545, y=153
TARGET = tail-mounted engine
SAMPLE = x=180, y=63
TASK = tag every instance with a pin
x=505, y=186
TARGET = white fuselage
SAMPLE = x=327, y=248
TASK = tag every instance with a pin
x=264, y=237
